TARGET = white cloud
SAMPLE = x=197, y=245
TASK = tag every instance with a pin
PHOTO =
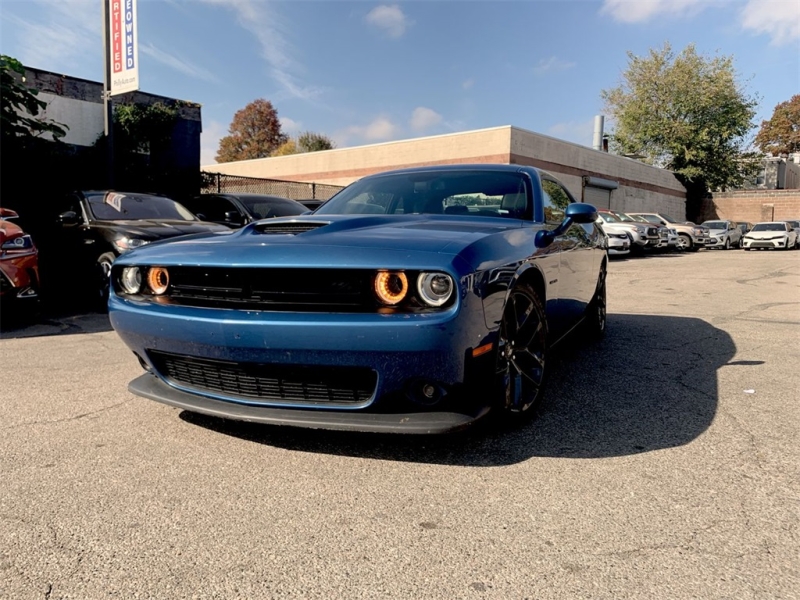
x=213, y=132
x=380, y=129
x=467, y=83
x=424, y=118
x=640, y=11
x=552, y=64
x=178, y=64
x=67, y=32
x=578, y=132
x=264, y=23
x=779, y=19
x=290, y=125
x=389, y=19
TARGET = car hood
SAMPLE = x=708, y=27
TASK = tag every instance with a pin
x=389, y=241
x=766, y=235
x=156, y=229
x=9, y=230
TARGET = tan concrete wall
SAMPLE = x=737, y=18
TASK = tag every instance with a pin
x=753, y=206
x=642, y=187
x=345, y=165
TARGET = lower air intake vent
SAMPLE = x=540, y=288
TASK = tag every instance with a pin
x=269, y=383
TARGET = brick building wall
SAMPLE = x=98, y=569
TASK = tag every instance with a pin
x=753, y=206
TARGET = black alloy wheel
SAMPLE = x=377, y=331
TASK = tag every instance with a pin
x=521, y=354
x=103, y=278
x=596, y=311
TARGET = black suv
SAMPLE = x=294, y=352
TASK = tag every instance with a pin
x=85, y=231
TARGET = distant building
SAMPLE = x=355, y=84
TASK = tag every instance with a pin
x=605, y=180
x=78, y=103
x=777, y=173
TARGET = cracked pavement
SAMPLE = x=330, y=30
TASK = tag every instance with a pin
x=663, y=465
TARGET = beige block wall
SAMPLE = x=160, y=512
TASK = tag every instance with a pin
x=642, y=187
x=345, y=165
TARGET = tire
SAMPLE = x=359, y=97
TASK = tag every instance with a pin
x=684, y=242
x=727, y=244
x=102, y=279
x=521, y=356
x=595, y=320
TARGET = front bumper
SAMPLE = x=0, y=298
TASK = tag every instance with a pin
x=404, y=351
x=149, y=386
x=19, y=277
x=769, y=244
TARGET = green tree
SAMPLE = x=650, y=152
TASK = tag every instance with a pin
x=687, y=113
x=286, y=148
x=781, y=134
x=314, y=142
x=305, y=142
x=20, y=106
x=255, y=132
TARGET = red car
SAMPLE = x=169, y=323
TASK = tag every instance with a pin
x=19, y=261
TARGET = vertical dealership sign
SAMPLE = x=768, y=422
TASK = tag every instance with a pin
x=123, y=46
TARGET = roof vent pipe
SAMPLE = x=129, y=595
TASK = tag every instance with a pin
x=597, y=138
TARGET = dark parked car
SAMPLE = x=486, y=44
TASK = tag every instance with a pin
x=236, y=210
x=312, y=204
x=86, y=231
x=413, y=301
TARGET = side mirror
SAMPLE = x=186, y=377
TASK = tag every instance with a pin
x=577, y=212
x=581, y=213
x=232, y=216
x=68, y=218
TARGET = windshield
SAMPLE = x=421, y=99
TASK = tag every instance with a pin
x=458, y=192
x=794, y=224
x=608, y=217
x=715, y=224
x=114, y=206
x=769, y=227
x=265, y=207
x=626, y=218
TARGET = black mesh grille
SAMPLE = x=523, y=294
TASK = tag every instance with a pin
x=269, y=383
x=272, y=289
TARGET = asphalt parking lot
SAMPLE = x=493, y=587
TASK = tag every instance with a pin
x=664, y=465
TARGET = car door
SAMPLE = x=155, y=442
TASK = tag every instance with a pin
x=576, y=259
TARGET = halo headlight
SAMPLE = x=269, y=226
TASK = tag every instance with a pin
x=434, y=288
x=158, y=280
x=391, y=287
x=131, y=280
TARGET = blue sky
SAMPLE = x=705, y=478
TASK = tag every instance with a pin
x=364, y=72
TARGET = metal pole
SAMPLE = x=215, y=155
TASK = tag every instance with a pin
x=108, y=107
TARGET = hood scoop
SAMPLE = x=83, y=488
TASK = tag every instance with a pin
x=288, y=228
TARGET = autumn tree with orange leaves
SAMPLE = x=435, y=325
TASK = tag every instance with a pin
x=255, y=132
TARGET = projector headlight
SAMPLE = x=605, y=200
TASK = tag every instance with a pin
x=391, y=287
x=434, y=288
x=131, y=280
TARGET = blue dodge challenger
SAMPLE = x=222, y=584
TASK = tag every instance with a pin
x=413, y=301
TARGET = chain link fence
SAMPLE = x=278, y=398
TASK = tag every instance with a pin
x=220, y=183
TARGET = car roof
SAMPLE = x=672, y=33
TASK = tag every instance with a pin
x=495, y=168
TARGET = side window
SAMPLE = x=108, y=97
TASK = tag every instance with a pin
x=556, y=199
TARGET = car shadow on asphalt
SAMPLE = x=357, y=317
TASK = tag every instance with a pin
x=50, y=319
x=650, y=385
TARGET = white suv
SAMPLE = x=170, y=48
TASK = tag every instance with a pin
x=723, y=234
x=690, y=236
